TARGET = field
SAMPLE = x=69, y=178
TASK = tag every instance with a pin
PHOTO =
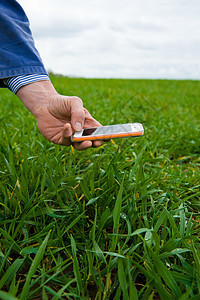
x=116, y=222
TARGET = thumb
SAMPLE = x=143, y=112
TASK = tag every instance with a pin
x=77, y=114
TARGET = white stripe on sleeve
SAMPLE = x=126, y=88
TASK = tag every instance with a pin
x=14, y=83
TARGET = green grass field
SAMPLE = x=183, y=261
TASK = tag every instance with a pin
x=117, y=222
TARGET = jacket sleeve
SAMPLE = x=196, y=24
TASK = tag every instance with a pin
x=18, y=55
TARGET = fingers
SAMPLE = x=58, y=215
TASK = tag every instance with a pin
x=66, y=135
x=66, y=139
x=80, y=118
x=83, y=145
x=77, y=114
x=96, y=144
x=89, y=120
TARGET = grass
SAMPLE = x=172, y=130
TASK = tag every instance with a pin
x=118, y=222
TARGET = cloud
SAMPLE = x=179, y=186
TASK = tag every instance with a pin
x=64, y=26
x=129, y=38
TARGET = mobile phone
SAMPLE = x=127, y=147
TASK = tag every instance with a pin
x=108, y=132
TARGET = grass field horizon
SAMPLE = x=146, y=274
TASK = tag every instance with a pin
x=116, y=222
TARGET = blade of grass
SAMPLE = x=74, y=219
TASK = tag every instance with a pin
x=9, y=238
x=52, y=292
x=33, y=267
x=73, y=223
x=7, y=296
x=196, y=254
x=189, y=225
x=99, y=253
x=116, y=215
x=11, y=271
x=76, y=268
x=122, y=279
x=166, y=274
x=182, y=220
x=152, y=276
x=59, y=293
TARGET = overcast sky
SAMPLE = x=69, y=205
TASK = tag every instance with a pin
x=118, y=38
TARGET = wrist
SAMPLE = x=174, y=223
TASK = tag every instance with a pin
x=36, y=96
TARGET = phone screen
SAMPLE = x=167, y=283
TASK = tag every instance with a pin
x=107, y=130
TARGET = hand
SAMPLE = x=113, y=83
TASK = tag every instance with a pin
x=58, y=116
x=64, y=115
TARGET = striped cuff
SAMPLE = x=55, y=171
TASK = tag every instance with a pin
x=14, y=83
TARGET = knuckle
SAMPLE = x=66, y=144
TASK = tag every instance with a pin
x=77, y=99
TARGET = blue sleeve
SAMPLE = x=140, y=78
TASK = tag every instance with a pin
x=18, y=55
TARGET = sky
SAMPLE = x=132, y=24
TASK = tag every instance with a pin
x=118, y=38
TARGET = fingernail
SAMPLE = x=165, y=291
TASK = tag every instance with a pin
x=78, y=126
